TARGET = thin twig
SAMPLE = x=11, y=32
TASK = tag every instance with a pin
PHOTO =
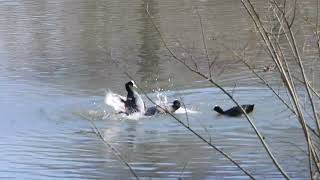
x=264, y=82
x=225, y=92
x=233, y=89
x=293, y=45
x=292, y=42
x=204, y=44
x=287, y=79
x=188, y=52
x=317, y=24
x=106, y=143
x=184, y=167
x=185, y=109
x=297, y=146
x=194, y=132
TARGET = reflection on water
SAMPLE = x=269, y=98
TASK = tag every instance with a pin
x=150, y=46
x=56, y=61
x=68, y=45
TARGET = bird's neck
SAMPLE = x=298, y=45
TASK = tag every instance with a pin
x=130, y=95
x=130, y=91
x=219, y=110
x=174, y=107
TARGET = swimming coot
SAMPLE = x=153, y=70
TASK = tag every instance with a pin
x=235, y=111
x=167, y=109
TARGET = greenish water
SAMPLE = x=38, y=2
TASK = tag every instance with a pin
x=57, y=61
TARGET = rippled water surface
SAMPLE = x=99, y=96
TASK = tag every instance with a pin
x=58, y=59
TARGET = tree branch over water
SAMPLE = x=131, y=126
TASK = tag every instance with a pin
x=194, y=132
x=276, y=53
x=106, y=143
x=266, y=147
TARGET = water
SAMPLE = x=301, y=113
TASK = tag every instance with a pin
x=57, y=62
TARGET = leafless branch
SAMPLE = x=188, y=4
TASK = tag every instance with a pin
x=184, y=167
x=194, y=132
x=276, y=55
x=225, y=92
x=185, y=109
x=204, y=44
x=106, y=143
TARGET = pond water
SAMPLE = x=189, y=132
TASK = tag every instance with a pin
x=57, y=61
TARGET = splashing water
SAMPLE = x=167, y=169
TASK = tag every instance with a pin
x=114, y=100
x=133, y=116
x=162, y=101
x=183, y=110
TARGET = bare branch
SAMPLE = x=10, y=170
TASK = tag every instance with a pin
x=106, y=143
x=225, y=92
x=185, y=109
x=204, y=44
x=281, y=64
x=189, y=53
x=195, y=133
x=184, y=167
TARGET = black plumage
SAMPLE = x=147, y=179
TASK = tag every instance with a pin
x=133, y=102
x=235, y=111
x=130, y=103
x=156, y=109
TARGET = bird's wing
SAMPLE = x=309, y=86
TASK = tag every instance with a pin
x=116, y=101
x=139, y=102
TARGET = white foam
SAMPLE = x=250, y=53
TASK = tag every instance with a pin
x=133, y=116
x=183, y=110
x=162, y=99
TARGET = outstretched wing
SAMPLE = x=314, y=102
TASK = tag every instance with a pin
x=116, y=101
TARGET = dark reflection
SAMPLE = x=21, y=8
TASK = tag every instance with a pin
x=149, y=64
x=58, y=43
x=66, y=44
x=131, y=136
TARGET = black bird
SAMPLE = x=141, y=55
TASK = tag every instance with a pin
x=235, y=111
x=170, y=109
x=133, y=103
x=130, y=103
x=127, y=105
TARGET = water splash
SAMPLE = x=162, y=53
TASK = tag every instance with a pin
x=114, y=101
x=183, y=110
x=133, y=116
x=162, y=101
